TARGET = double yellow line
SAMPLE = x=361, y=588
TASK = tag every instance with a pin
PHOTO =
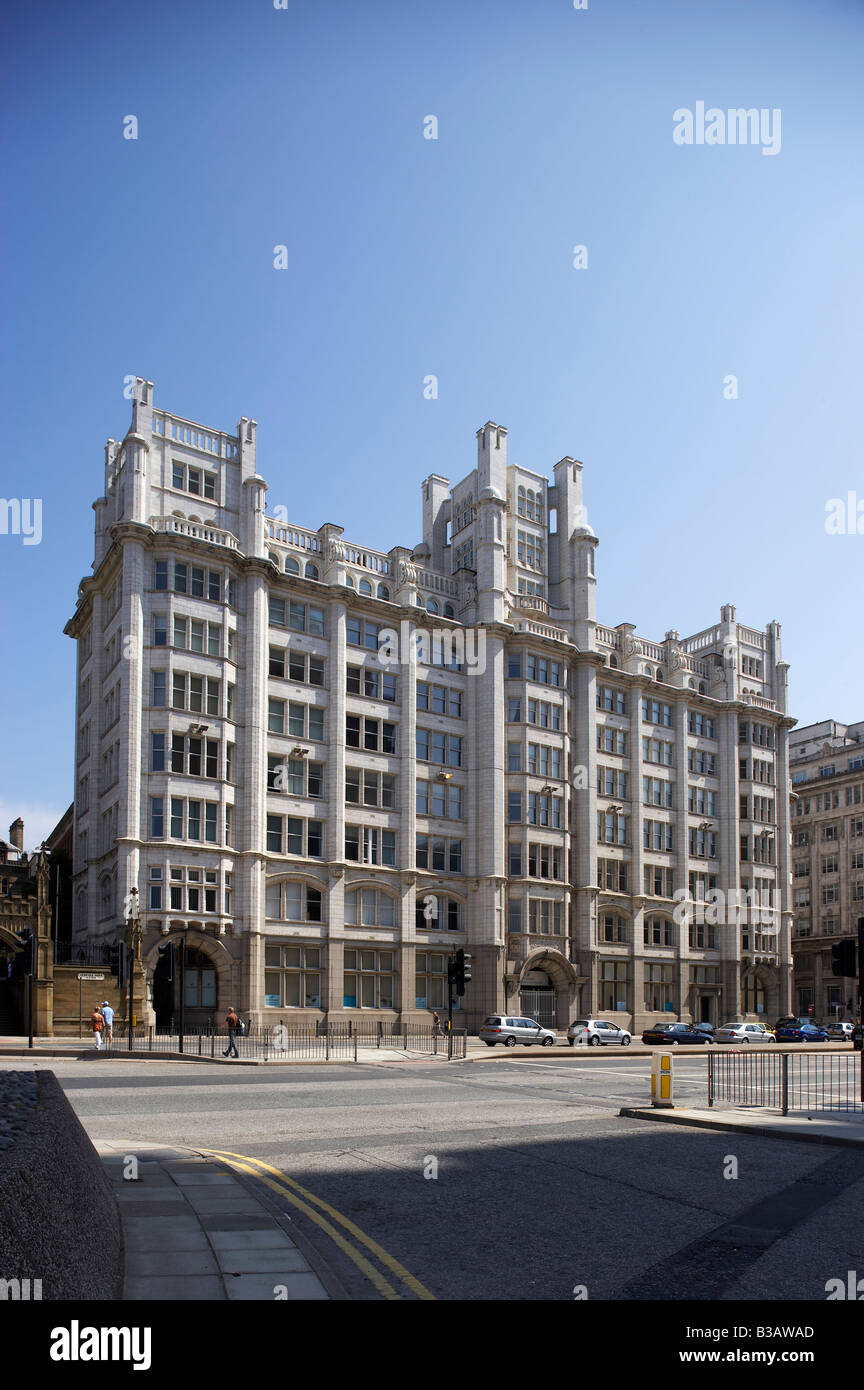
x=307, y=1202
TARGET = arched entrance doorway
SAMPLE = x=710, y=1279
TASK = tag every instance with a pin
x=12, y=987
x=200, y=989
x=547, y=989
x=537, y=997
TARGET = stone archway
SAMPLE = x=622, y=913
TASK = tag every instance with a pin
x=555, y=998
x=760, y=992
x=209, y=976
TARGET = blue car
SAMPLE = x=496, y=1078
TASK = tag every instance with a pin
x=801, y=1032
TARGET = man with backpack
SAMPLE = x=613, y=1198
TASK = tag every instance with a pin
x=235, y=1028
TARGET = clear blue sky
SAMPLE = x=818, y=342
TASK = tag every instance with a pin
x=409, y=256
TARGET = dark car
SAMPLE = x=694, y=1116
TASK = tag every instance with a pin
x=800, y=1032
x=667, y=1034
x=706, y=1028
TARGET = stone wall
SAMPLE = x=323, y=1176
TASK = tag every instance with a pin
x=59, y=1221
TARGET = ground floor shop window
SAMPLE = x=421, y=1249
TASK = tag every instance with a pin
x=292, y=977
x=430, y=981
x=658, y=988
x=368, y=979
x=614, y=985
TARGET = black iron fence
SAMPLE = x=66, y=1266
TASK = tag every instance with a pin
x=277, y=1042
x=787, y=1081
x=85, y=953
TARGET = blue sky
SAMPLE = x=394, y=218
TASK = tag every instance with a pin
x=304, y=127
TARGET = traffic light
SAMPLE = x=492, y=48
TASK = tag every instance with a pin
x=167, y=950
x=26, y=963
x=461, y=972
x=843, y=958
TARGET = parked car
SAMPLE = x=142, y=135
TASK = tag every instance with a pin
x=744, y=1033
x=706, y=1028
x=667, y=1034
x=793, y=1019
x=801, y=1032
x=510, y=1031
x=597, y=1031
x=840, y=1029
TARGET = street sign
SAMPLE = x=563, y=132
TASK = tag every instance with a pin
x=90, y=977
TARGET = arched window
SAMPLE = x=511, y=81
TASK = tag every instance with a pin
x=613, y=661
x=364, y=587
x=613, y=928
x=106, y=895
x=369, y=907
x=754, y=995
x=384, y=592
x=445, y=913
x=292, y=565
x=349, y=582
x=449, y=611
x=702, y=687
x=520, y=501
x=419, y=600
x=312, y=571
x=660, y=676
x=288, y=901
x=691, y=685
x=431, y=606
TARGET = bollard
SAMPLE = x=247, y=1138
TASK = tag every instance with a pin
x=662, y=1088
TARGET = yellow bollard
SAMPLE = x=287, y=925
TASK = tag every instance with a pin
x=662, y=1088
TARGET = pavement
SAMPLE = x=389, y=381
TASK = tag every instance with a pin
x=832, y=1127
x=193, y=1229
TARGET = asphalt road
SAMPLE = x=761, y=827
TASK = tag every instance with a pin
x=541, y=1188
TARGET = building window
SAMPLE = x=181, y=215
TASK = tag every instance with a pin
x=369, y=907
x=614, y=986
x=366, y=788
x=368, y=979
x=441, y=799
x=292, y=977
x=433, y=746
x=658, y=988
x=375, y=735
x=613, y=928
x=439, y=854
x=430, y=981
x=375, y=685
x=368, y=845
x=609, y=698
x=445, y=914
x=544, y=861
x=292, y=902
x=544, y=917
x=656, y=712
x=658, y=931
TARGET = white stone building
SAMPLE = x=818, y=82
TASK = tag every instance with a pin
x=323, y=827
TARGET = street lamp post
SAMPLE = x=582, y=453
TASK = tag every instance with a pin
x=133, y=941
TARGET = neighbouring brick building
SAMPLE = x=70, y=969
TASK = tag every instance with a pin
x=321, y=827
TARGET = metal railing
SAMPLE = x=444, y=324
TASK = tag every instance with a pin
x=337, y=1042
x=85, y=953
x=787, y=1081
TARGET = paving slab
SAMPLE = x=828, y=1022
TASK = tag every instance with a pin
x=823, y=1127
x=194, y=1231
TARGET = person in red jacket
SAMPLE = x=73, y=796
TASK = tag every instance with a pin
x=97, y=1023
x=231, y=1022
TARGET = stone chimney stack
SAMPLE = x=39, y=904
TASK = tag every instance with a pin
x=16, y=833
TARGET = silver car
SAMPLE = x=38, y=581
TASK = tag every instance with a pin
x=744, y=1033
x=510, y=1031
x=597, y=1032
x=841, y=1030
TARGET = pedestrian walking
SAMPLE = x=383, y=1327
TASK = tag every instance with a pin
x=436, y=1026
x=108, y=1016
x=232, y=1023
x=97, y=1023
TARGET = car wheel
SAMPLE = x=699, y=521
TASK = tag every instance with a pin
x=571, y=1042
x=489, y=1044
x=509, y=1042
x=593, y=1041
x=626, y=1041
x=547, y=1042
x=744, y=1042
